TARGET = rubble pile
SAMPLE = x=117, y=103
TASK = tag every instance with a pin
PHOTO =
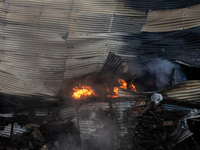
x=155, y=127
x=148, y=125
x=151, y=127
x=52, y=134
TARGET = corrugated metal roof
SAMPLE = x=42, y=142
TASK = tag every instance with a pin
x=45, y=42
x=111, y=64
x=185, y=91
x=33, y=53
x=176, y=107
x=6, y=132
x=180, y=46
x=159, y=4
x=172, y=20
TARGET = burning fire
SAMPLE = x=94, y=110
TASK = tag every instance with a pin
x=123, y=85
x=82, y=92
x=115, y=93
x=132, y=87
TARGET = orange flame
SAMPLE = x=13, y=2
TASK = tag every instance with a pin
x=122, y=83
x=82, y=92
x=115, y=93
x=132, y=87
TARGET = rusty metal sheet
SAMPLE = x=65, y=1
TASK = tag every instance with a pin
x=172, y=20
x=185, y=91
x=44, y=42
x=33, y=46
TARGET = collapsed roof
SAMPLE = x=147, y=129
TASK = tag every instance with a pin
x=46, y=42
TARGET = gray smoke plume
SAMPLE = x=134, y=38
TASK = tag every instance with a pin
x=166, y=73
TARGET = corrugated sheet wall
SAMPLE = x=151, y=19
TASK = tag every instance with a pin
x=121, y=108
x=89, y=129
x=33, y=53
x=44, y=42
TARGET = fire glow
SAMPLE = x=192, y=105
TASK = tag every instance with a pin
x=82, y=92
x=115, y=93
x=123, y=85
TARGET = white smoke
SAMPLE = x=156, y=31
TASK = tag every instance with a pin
x=166, y=73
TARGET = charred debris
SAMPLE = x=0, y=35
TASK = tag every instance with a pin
x=149, y=124
x=158, y=127
x=37, y=129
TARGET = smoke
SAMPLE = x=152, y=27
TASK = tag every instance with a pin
x=163, y=72
x=98, y=125
x=179, y=75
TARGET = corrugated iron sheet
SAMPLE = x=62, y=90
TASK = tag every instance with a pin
x=121, y=107
x=17, y=129
x=7, y=129
x=87, y=127
x=6, y=132
x=33, y=53
x=112, y=62
x=69, y=112
x=185, y=91
x=159, y=4
x=95, y=29
x=176, y=107
x=7, y=115
x=44, y=42
x=181, y=46
x=172, y=20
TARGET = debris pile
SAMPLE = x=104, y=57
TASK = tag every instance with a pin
x=148, y=122
x=52, y=134
x=150, y=126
